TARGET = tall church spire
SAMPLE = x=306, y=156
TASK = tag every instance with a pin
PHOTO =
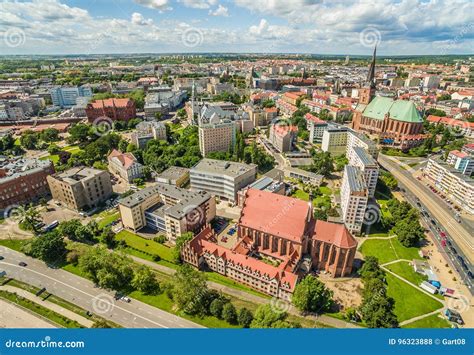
x=371, y=75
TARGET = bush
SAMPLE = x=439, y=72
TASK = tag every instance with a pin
x=216, y=307
x=245, y=317
x=229, y=314
x=160, y=239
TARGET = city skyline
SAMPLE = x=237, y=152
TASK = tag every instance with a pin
x=211, y=26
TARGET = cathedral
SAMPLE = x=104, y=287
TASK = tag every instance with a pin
x=395, y=123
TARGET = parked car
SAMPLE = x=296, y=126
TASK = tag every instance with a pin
x=125, y=299
x=1, y=257
x=22, y=263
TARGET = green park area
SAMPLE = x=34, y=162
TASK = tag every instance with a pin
x=433, y=321
x=106, y=217
x=389, y=249
x=73, y=149
x=405, y=270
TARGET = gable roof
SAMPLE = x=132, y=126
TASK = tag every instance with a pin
x=334, y=233
x=399, y=110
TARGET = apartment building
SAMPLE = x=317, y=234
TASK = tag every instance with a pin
x=66, y=97
x=222, y=178
x=334, y=140
x=361, y=159
x=146, y=131
x=356, y=139
x=461, y=161
x=168, y=209
x=316, y=128
x=216, y=137
x=124, y=165
x=354, y=198
x=23, y=180
x=283, y=137
x=454, y=184
x=80, y=188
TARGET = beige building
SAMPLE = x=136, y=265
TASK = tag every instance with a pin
x=174, y=175
x=283, y=137
x=81, y=187
x=167, y=208
x=354, y=198
x=222, y=178
x=216, y=137
x=125, y=165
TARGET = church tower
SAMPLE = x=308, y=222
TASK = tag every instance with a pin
x=368, y=91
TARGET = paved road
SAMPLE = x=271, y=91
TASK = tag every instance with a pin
x=82, y=292
x=459, y=234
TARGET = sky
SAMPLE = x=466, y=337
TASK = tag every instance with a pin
x=398, y=27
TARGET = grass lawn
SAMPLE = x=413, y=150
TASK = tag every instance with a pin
x=301, y=195
x=325, y=190
x=433, y=321
x=15, y=244
x=409, y=302
x=388, y=250
x=146, y=245
x=405, y=270
x=162, y=302
x=73, y=149
x=109, y=217
x=54, y=158
x=40, y=310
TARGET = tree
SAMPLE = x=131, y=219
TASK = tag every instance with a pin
x=216, y=307
x=245, y=317
x=29, y=139
x=190, y=290
x=180, y=241
x=50, y=248
x=28, y=217
x=266, y=317
x=68, y=228
x=49, y=135
x=371, y=269
x=144, y=280
x=409, y=232
x=377, y=312
x=311, y=295
x=322, y=163
x=229, y=314
x=79, y=132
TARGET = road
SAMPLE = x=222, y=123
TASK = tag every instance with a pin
x=463, y=238
x=82, y=292
x=458, y=237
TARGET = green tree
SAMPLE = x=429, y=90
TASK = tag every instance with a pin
x=322, y=163
x=245, y=317
x=68, y=228
x=29, y=139
x=28, y=217
x=190, y=290
x=180, y=241
x=216, y=307
x=311, y=295
x=49, y=135
x=144, y=280
x=229, y=314
x=50, y=248
x=266, y=317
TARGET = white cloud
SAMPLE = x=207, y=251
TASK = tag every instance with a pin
x=138, y=19
x=162, y=5
x=198, y=4
x=220, y=11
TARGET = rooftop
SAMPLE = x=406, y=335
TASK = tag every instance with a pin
x=75, y=175
x=364, y=157
x=333, y=233
x=354, y=178
x=15, y=168
x=399, y=110
x=222, y=167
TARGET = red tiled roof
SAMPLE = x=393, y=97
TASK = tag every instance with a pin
x=334, y=233
x=450, y=121
x=458, y=154
x=275, y=214
x=110, y=102
x=313, y=118
x=126, y=159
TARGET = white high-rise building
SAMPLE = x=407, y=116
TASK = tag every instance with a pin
x=354, y=197
x=361, y=159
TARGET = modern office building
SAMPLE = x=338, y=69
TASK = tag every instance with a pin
x=168, y=209
x=23, y=180
x=222, y=178
x=361, y=159
x=65, y=97
x=80, y=188
x=216, y=137
x=124, y=165
x=354, y=198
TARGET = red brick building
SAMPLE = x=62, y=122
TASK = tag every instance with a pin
x=115, y=109
x=282, y=231
x=23, y=181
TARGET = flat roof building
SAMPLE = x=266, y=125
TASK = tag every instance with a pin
x=354, y=198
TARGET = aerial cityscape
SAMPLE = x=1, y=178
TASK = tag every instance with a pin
x=236, y=164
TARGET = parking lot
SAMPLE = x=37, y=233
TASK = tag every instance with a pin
x=226, y=232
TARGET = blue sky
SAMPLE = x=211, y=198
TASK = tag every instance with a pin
x=301, y=26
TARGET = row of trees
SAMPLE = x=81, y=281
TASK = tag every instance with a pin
x=37, y=140
x=404, y=220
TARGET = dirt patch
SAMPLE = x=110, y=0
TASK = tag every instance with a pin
x=347, y=292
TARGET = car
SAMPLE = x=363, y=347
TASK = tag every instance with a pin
x=1, y=257
x=125, y=299
x=22, y=263
x=433, y=222
x=470, y=274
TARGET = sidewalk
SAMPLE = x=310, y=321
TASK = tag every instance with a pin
x=50, y=305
